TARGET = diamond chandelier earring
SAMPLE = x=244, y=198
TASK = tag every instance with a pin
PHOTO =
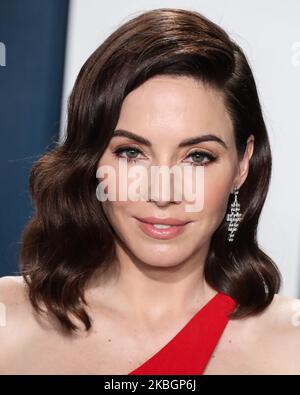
x=234, y=217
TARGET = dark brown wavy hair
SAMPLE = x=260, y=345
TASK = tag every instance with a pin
x=69, y=238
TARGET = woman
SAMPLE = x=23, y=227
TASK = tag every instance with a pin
x=146, y=286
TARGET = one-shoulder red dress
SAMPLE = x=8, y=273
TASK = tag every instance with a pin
x=189, y=351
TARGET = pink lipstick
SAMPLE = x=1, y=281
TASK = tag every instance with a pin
x=159, y=228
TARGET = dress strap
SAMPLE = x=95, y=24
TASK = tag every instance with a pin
x=189, y=351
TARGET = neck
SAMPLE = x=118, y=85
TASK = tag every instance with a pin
x=145, y=292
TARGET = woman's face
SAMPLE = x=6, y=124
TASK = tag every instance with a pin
x=166, y=111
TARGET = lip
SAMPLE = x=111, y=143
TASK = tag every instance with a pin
x=177, y=227
x=163, y=221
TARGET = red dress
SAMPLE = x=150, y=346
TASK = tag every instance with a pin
x=189, y=351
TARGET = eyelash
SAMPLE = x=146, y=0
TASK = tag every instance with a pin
x=117, y=153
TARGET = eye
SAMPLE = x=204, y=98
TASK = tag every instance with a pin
x=199, y=158
x=129, y=153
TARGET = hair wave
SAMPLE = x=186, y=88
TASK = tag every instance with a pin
x=69, y=238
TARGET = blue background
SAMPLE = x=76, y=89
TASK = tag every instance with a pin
x=34, y=33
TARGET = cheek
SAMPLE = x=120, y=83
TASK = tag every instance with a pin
x=124, y=181
x=118, y=213
x=217, y=187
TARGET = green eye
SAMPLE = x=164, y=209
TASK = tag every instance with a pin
x=130, y=153
x=198, y=158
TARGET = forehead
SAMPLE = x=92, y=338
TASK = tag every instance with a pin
x=177, y=106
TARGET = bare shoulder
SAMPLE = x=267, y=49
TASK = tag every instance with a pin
x=264, y=343
x=279, y=334
x=15, y=313
x=14, y=303
x=9, y=285
x=12, y=291
x=283, y=314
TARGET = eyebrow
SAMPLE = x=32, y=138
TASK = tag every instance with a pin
x=184, y=143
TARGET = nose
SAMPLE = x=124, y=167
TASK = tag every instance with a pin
x=161, y=203
x=162, y=189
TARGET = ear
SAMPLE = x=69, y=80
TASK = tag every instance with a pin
x=243, y=166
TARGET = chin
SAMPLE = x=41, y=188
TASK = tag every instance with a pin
x=166, y=257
